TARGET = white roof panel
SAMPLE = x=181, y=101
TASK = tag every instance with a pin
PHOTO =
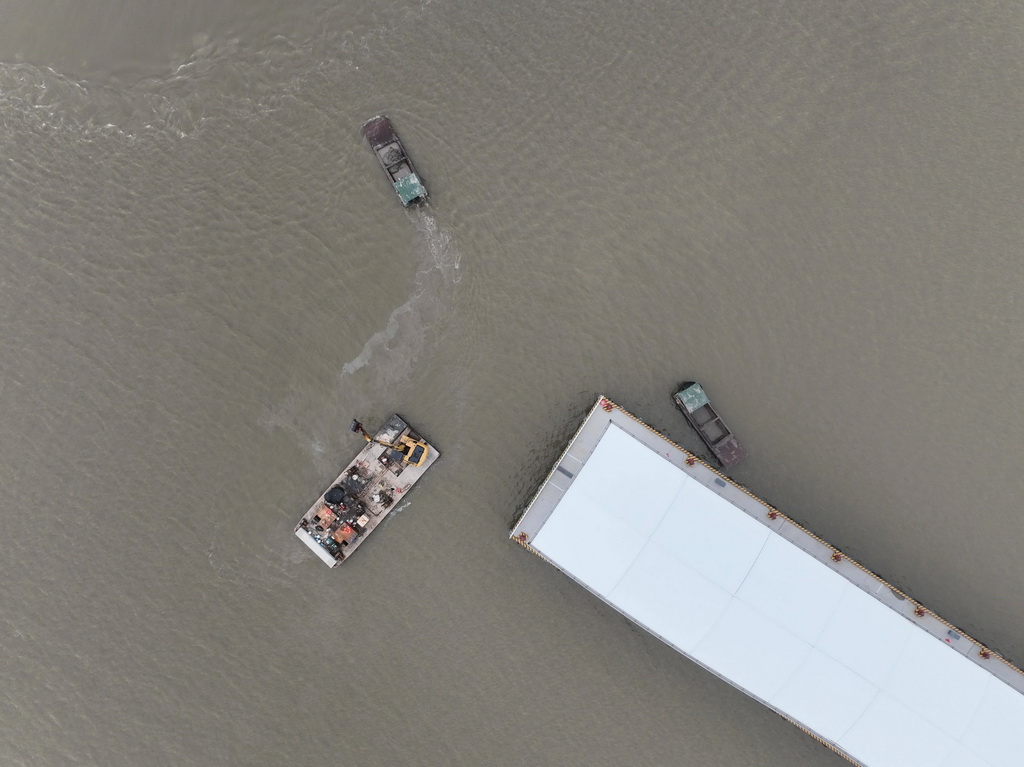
x=779, y=623
x=711, y=535
x=996, y=731
x=961, y=757
x=864, y=638
x=620, y=478
x=932, y=679
x=825, y=696
x=889, y=734
x=669, y=598
x=751, y=650
x=793, y=588
x=589, y=540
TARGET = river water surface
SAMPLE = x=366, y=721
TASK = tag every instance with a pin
x=812, y=208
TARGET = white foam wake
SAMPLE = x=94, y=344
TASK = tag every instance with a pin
x=396, y=347
x=380, y=338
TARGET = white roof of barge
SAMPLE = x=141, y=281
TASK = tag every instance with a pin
x=742, y=600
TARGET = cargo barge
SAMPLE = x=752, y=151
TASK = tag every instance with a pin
x=694, y=404
x=356, y=503
x=393, y=158
x=736, y=586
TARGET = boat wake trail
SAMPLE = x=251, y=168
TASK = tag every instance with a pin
x=389, y=356
x=440, y=245
x=380, y=338
x=397, y=346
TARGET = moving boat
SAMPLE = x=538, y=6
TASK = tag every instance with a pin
x=355, y=504
x=694, y=404
x=394, y=160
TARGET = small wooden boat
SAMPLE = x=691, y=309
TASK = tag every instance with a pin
x=394, y=160
x=693, y=402
x=367, y=490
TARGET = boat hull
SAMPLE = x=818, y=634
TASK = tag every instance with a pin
x=395, y=161
x=365, y=492
x=694, y=404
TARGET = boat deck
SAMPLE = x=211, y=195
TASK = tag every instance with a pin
x=393, y=158
x=695, y=406
x=369, y=488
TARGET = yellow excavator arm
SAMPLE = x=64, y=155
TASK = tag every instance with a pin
x=414, y=452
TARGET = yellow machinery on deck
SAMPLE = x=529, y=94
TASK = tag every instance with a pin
x=414, y=452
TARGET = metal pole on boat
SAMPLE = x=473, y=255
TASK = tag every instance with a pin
x=358, y=428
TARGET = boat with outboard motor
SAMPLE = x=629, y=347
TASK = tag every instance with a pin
x=368, y=489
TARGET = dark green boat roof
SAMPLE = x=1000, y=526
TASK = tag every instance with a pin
x=692, y=397
x=409, y=188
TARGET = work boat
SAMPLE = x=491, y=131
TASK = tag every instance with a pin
x=366, y=491
x=694, y=404
x=394, y=160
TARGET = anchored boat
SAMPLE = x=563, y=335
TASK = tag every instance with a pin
x=692, y=400
x=392, y=461
x=394, y=160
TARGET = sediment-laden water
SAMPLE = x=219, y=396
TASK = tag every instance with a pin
x=813, y=210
